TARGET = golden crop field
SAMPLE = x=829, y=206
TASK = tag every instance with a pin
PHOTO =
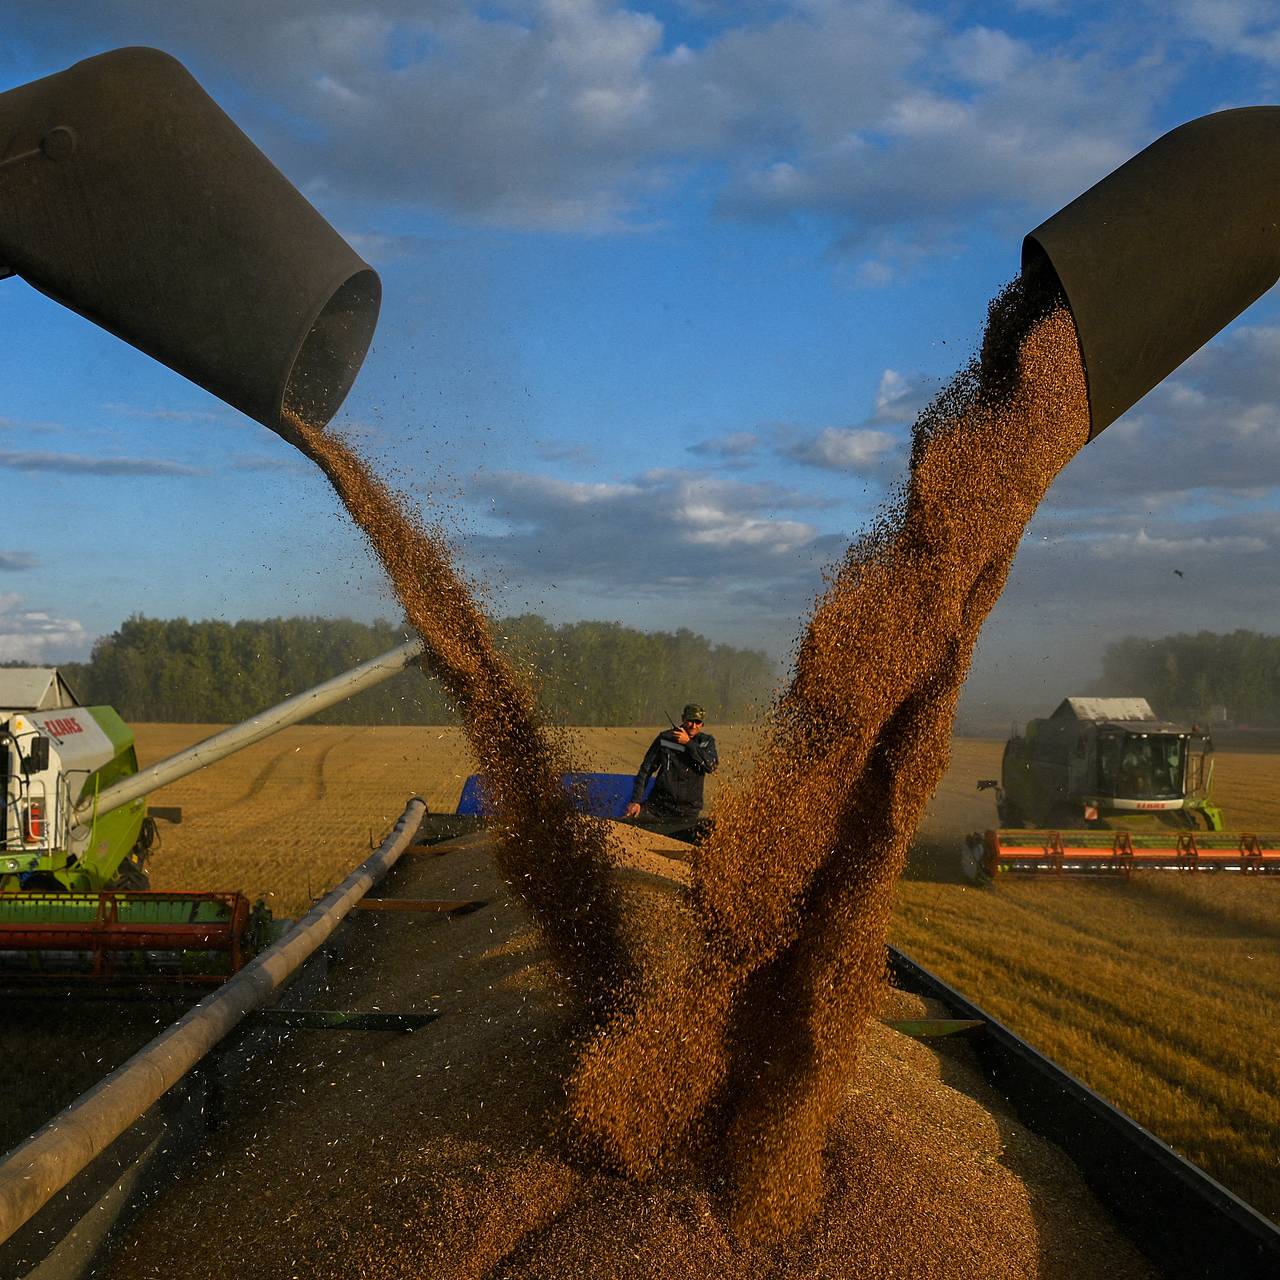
x=1159, y=992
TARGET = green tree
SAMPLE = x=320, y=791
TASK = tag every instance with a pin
x=588, y=672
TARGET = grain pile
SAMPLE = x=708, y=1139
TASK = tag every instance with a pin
x=551, y=855
x=746, y=1051
x=442, y=1154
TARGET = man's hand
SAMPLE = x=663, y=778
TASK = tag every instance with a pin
x=682, y=735
x=633, y=811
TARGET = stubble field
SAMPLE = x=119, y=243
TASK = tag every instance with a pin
x=1160, y=993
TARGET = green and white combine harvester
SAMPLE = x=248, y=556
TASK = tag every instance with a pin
x=74, y=894
x=1103, y=787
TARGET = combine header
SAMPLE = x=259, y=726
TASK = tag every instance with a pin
x=1114, y=853
x=1102, y=787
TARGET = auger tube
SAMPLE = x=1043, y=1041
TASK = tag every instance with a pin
x=1164, y=252
x=130, y=196
x=245, y=734
x=33, y=1173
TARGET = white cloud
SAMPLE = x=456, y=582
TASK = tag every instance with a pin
x=33, y=635
x=733, y=446
x=1017, y=125
x=984, y=56
x=711, y=521
x=1144, y=544
x=546, y=492
x=844, y=448
x=1247, y=28
x=664, y=532
x=901, y=397
x=581, y=115
x=81, y=464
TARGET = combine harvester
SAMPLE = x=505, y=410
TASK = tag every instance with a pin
x=74, y=895
x=1101, y=787
x=220, y=269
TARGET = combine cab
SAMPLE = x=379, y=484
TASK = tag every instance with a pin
x=1102, y=786
x=55, y=756
x=1102, y=762
x=73, y=883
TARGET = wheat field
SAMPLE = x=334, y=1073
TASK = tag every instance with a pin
x=1159, y=992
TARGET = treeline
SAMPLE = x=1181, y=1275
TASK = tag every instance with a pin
x=1185, y=677
x=596, y=673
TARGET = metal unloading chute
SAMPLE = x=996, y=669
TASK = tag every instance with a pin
x=127, y=194
x=1164, y=252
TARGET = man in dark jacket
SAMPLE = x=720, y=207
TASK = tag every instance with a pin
x=681, y=757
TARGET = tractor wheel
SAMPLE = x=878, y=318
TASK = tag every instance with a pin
x=1010, y=815
x=131, y=877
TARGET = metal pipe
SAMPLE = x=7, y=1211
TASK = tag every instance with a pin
x=245, y=734
x=36, y=1171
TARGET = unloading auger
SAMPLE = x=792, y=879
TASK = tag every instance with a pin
x=128, y=195
x=1164, y=252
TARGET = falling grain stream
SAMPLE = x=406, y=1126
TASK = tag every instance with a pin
x=553, y=857
x=731, y=1067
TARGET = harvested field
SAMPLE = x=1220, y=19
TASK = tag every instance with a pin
x=442, y=1153
x=1157, y=993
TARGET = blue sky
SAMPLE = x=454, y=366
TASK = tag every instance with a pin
x=665, y=285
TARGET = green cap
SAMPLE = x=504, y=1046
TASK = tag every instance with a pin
x=693, y=711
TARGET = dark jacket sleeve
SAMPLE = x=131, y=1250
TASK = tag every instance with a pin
x=702, y=753
x=649, y=765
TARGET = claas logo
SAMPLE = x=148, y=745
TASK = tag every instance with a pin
x=63, y=728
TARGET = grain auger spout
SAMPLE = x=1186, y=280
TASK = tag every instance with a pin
x=127, y=194
x=1164, y=252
